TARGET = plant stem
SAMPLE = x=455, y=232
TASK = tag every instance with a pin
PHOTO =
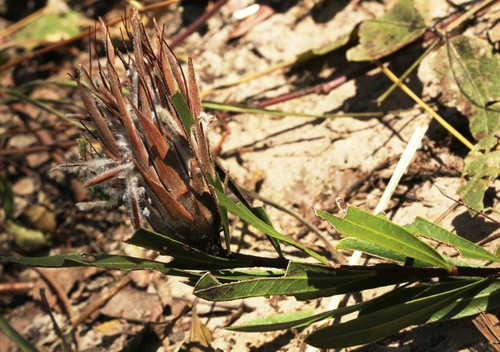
x=422, y=272
x=279, y=263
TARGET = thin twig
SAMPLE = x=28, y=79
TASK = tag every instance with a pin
x=63, y=298
x=15, y=288
x=197, y=24
x=61, y=295
x=100, y=301
x=22, y=152
x=461, y=202
x=57, y=329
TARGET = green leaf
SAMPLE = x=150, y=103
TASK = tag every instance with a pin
x=480, y=169
x=276, y=322
x=482, y=298
x=249, y=217
x=185, y=257
x=106, y=261
x=466, y=248
x=380, y=231
x=294, y=320
x=382, y=252
x=351, y=243
x=339, y=45
x=486, y=299
x=383, y=323
x=51, y=27
x=182, y=109
x=218, y=184
x=304, y=281
x=383, y=36
x=15, y=337
x=405, y=294
x=261, y=213
x=467, y=68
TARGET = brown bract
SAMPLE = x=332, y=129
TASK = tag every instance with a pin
x=153, y=163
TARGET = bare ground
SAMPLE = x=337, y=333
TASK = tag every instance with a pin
x=300, y=163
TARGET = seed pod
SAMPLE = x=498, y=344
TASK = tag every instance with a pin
x=157, y=153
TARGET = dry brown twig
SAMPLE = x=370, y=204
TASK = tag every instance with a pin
x=489, y=325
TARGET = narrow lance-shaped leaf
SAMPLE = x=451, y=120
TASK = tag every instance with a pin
x=262, y=214
x=402, y=295
x=486, y=299
x=383, y=323
x=379, y=230
x=185, y=257
x=466, y=248
x=218, y=184
x=106, y=261
x=297, y=319
x=351, y=243
x=246, y=215
x=182, y=109
x=304, y=281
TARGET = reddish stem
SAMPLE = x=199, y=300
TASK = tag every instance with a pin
x=196, y=24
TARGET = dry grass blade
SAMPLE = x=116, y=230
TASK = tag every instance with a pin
x=154, y=164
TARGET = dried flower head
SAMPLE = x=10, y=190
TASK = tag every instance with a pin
x=157, y=154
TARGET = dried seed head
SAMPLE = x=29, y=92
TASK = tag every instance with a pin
x=157, y=154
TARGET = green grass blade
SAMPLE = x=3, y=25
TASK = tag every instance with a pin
x=15, y=337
